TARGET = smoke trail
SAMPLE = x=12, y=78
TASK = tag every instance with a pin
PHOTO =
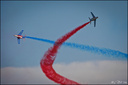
x=49, y=57
x=44, y=40
x=103, y=51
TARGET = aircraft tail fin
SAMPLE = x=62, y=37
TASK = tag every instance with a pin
x=24, y=37
x=89, y=19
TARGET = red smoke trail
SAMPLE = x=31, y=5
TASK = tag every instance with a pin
x=49, y=57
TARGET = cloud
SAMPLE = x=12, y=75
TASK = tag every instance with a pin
x=98, y=72
x=26, y=75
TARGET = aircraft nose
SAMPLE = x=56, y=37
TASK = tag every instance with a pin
x=14, y=35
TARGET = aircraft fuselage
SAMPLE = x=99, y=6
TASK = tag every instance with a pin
x=92, y=19
x=19, y=36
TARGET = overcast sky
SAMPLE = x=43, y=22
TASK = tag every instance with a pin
x=51, y=20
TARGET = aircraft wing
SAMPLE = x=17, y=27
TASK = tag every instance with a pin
x=94, y=23
x=18, y=41
x=21, y=32
x=92, y=14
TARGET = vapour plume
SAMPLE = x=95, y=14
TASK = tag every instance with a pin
x=50, y=55
x=103, y=51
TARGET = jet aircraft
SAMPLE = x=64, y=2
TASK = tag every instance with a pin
x=19, y=36
x=93, y=19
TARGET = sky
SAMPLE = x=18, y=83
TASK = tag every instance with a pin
x=51, y=20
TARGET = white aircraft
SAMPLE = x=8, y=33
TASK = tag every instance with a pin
x=19, y=36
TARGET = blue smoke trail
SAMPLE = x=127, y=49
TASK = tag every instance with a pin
x=44, y=40
x=103, y=51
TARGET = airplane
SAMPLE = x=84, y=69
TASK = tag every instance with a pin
x=19, y=36
x=93, y=19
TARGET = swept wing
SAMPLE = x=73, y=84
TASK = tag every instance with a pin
x=94, y=23
x=18, y=41
x=92, y=14
x=21, y=32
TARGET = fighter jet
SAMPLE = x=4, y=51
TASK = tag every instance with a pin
x=93, y=19
x=19, y=36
